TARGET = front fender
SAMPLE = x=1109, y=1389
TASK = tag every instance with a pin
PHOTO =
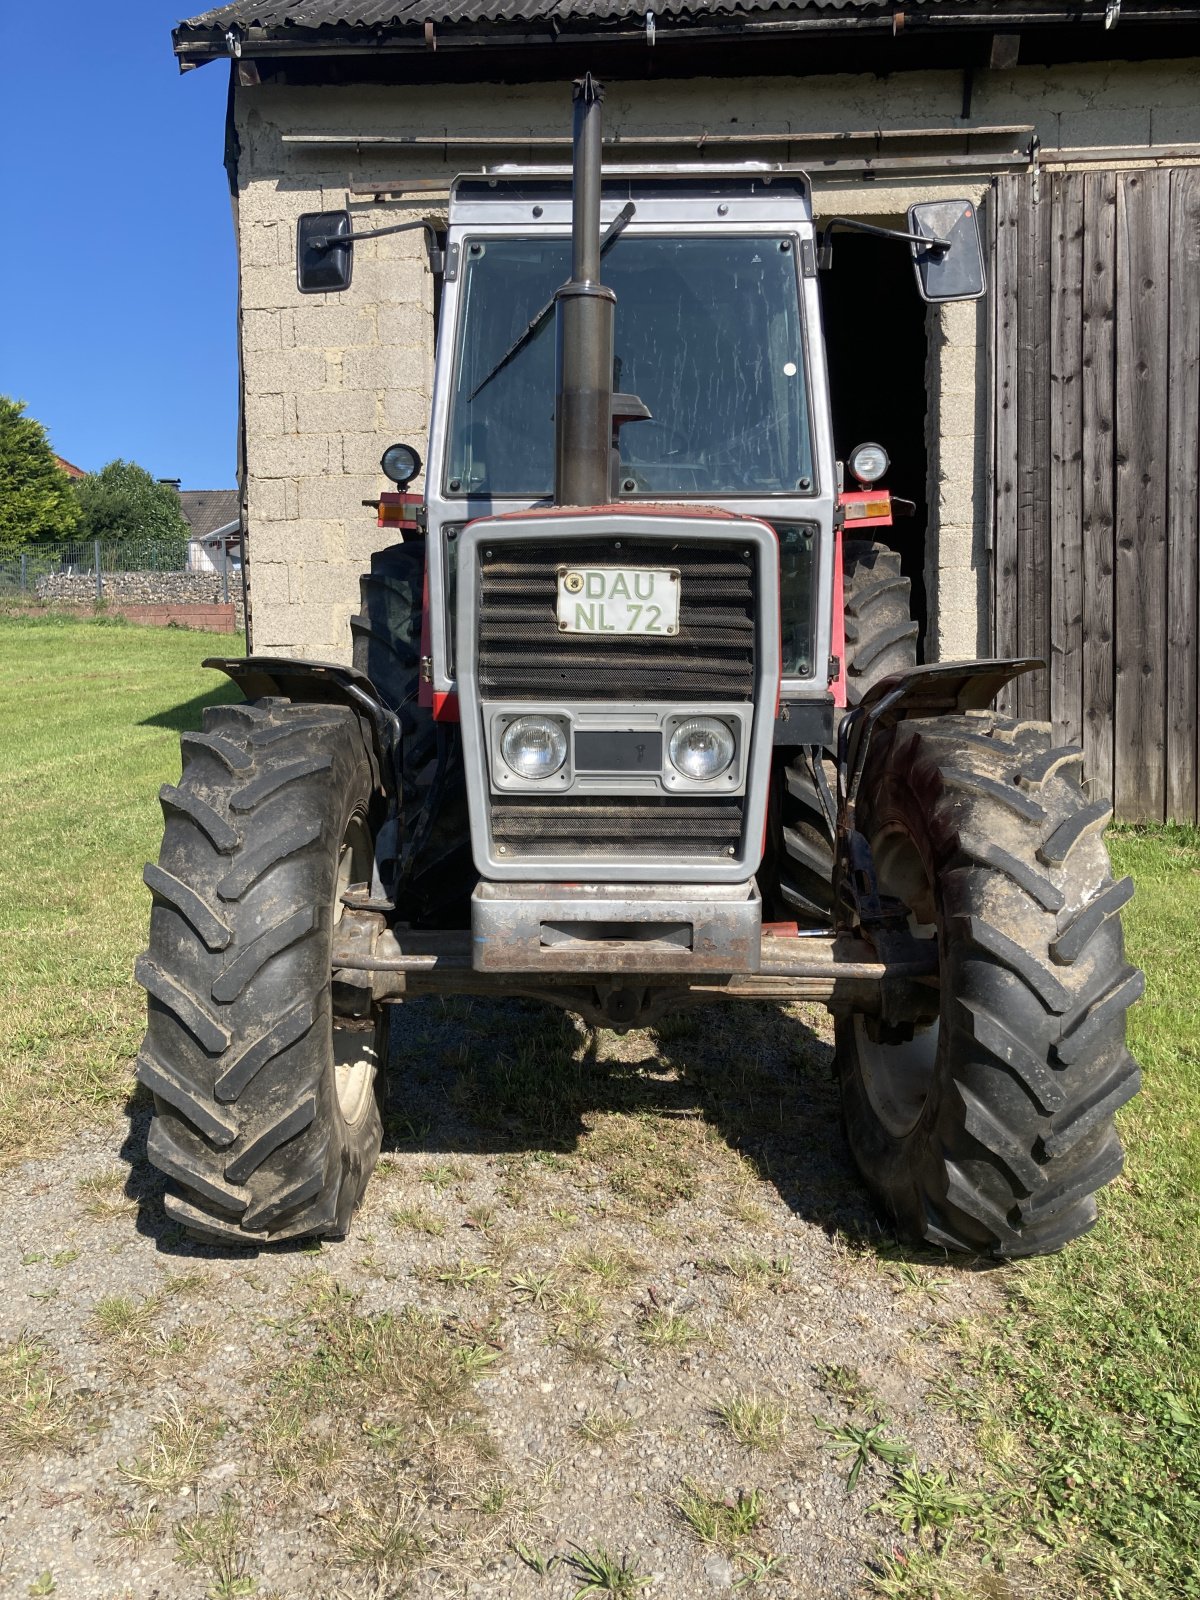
x=322, y=683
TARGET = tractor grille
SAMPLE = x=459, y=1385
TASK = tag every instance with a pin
x=599, y=826
x=523, y=656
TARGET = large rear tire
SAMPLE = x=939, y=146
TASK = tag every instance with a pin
x=991, y=1131
x=881, y=638
x=266, y=1106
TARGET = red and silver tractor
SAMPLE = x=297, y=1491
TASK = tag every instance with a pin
x=635, y=723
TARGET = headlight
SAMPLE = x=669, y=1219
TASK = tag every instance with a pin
x=701, y=748
x=534, y=747
x=869, y=462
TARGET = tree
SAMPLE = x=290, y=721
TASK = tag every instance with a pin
x=36, y=503
x=123, y=502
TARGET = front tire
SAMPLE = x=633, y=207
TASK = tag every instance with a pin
x=266, y=1107
x=991, y=1131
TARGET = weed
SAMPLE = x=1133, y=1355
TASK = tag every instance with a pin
x=858, y=1445
x=757, y=1424
x=535, y=1287
x=615, y=1267
x=136, y=1525
x=382, y=1536
x=603, y=1427
x=919, y=1500
x=105, y=1194
x=417, y=1219
x=216, y=1542
x=667, y=1330
x=534, y=1559
x=180, y=1445
x=604, y=1573
x=845, y=1384
x=462, y=1274
x=910, y=1279
x=727, y=1521
x=119, y=1316
x=758, y=1568
x=34, y=1412
x=444, y=1176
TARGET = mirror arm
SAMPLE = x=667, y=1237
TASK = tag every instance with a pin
x=327, y=241
x=825, y=241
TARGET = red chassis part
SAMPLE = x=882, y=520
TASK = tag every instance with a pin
x=862, y=511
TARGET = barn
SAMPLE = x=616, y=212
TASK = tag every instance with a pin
x=1047, y=434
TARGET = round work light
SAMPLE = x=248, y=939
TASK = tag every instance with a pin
x=868, y=462
x=400, y=463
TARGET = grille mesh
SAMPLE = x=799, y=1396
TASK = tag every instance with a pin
x=522, y=654
x=550, y=826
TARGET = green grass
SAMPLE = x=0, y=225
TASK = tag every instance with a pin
x=1097, y=1372
x=91, y=713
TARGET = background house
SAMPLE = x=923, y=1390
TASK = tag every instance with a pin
x=1048, y=433
x=215, y=519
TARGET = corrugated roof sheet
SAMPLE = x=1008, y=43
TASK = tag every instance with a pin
x=309, y=14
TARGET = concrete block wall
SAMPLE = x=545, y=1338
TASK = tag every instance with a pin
x=330, y=380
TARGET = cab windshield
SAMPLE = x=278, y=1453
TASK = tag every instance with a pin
x=708, y=336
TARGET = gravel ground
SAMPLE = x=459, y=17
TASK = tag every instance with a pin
x=581, y=1256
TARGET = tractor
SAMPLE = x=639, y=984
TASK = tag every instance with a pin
x=635, y=722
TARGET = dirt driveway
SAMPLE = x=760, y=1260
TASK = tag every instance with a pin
x=615, y=1310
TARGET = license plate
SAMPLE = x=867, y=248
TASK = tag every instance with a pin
x=618, y=600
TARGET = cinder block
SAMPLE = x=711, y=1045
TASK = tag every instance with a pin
x=329, y=324
x=267, y=288
x=369, y=368
x=338, y=496
x=409, y=326
x=361, y=453
x=260, y=245
x=336, y=411
x=284, y=371
x=406, y=413
x=266, y=499
x=260, y=330
x=292, y=455
x=265, y=415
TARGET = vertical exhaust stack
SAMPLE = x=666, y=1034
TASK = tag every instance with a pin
x=583, y=397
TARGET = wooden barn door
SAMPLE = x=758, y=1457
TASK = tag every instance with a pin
x=1096, y=334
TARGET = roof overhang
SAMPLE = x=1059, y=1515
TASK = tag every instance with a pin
x=901, y=35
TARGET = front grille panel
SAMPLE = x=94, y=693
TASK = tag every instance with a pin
x=523, y=656
x=600, y=826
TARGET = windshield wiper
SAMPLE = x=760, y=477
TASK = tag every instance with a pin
x=615, y=229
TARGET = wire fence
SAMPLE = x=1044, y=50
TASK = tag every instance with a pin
x=97, y=569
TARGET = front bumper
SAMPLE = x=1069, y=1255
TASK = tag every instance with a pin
x=616, y=927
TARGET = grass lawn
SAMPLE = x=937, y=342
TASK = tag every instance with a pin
x=1085, y=1396
x=91, y=713
x=1094, y=1383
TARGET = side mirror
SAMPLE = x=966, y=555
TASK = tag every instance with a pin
x=324, y=253
x=954, y=272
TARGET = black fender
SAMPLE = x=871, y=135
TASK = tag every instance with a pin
x=323, y=683
x=943, y=689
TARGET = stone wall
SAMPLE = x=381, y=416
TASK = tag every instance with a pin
x=331, y=379
x=153, y=594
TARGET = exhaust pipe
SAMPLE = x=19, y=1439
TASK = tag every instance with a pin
x=583, y=386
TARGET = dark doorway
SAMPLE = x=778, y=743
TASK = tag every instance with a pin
x=875, y=336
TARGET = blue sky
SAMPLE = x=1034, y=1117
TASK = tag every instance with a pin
x=118, y=282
